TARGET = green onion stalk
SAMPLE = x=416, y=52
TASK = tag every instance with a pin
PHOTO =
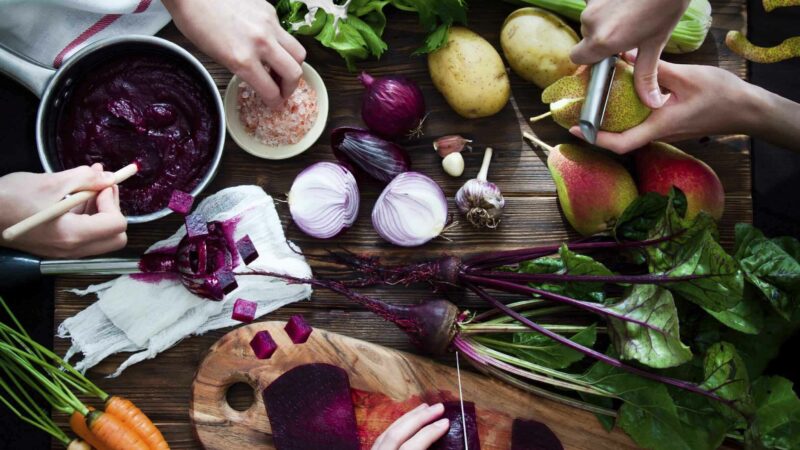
x=688, y=35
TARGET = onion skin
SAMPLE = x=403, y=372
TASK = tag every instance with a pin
x=369, y=154
x=410, y=211
x=324, y=200
x=393, y=107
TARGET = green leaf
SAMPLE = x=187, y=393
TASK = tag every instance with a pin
x=641, y=216
x=747, y=316
x=571, y=263
x=374, y=42
x=435, y=40
x=726, y=374
x=540, y=349
x=653, y=418
x=694, y=251
x=777, y=418
x=656, y=344
x=769, y=267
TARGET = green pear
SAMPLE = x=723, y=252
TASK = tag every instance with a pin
x=624, y=109
x=593, y=189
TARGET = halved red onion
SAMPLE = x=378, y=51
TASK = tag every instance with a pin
x=324, y=200
x=410, y=211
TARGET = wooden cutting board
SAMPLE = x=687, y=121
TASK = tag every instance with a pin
x=387, y=383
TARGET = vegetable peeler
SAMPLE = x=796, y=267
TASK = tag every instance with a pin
x=594, y=105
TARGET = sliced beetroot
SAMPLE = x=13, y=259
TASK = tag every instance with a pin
x=298, y=329
x=227, y=281
x=533, y=435
x=454, y=439
x=181, y=202
x=310, y=407
x=263, y=345
x=247, y=250
x=196, y=226
x=244, y=310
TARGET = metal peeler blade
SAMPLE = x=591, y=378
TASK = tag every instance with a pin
x=594, y=105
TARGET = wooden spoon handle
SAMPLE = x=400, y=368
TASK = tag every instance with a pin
x=62, y=207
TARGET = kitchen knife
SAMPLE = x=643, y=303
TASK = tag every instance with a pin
x=461, y=401
x=594, y=104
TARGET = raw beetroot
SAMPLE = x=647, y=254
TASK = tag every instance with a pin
x=244, y=310
x=298, y=329
x=310, y=407
x=454, y=439
x=196, y=226
x=247, y=250
x=181, y=202
x=533, y=435
x=263, y=345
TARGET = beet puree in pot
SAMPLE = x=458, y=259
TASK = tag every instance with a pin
x=146, y=108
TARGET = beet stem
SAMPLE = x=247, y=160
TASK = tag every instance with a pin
x=558, y=277
x=685, y=385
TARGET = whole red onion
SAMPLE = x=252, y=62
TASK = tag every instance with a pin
x=393, y=107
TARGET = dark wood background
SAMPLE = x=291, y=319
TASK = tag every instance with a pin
x=532, y=217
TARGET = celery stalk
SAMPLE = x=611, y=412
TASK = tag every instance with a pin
x=687, y=37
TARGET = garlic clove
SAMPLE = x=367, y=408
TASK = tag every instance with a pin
x=453, y=164
x=453, y=143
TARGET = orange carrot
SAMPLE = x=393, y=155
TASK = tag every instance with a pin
x=112, y=433
x=77, y=422
x=133, y=417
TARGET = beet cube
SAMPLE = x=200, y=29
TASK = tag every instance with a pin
x=244, y=310
x=247, y=250
x=196, y=226
x=227, y=281
x=454, y=439
x=310, y=407
x=263, y=345
x=533, y=435
x=181, y=202
x=298, y=329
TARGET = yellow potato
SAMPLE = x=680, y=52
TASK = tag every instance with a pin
x=470, y=74
x=537, y=45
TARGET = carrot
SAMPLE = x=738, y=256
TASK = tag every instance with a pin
x=77, y=422
x=112, y=433
x=133, y=417
x=77, y=444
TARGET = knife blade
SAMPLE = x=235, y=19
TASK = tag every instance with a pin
x=594, y=104
x=461, y=401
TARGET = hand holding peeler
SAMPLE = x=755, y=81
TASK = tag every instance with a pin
x=594, y=104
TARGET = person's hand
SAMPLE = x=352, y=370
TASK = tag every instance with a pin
x=703, y=100
x=90, y=229
x=414, y=431
x=610, y=27
x=244, y=36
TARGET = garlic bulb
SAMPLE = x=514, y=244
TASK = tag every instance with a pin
x=480, y=200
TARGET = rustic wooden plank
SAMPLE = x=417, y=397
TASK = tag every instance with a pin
x=160, y=386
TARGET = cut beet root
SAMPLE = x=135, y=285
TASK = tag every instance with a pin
x=246, y=249
x=244, y=310
x=196, y=226
x=227, y=281
x=533, y=435
x=310, y=407
x=298, y=329
x=181, y=202
x=263, y=345
x=454, y=439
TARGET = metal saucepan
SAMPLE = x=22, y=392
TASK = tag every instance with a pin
x=55, y=86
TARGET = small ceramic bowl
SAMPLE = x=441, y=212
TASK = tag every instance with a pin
x=250, y=144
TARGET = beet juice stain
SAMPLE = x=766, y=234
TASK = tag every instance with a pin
x=143, y=108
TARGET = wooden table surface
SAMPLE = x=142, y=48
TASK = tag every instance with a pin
x=532, y=217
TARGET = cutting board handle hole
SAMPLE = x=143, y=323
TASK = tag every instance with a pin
x=240, y=396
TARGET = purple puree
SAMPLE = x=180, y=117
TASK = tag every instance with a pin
x=143, y=108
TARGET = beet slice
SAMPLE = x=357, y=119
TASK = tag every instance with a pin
x=533, y=435
x=181, y=202
x=454, y=439
x=298, y=329
x=196, y=226
x=310, y=407
x=263, y=345
x=244, y=310
x=247, y=250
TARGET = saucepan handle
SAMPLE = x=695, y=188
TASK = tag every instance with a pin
x=28, y=73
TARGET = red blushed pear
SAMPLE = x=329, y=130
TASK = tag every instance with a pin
x=660, y=166
x=593, y=189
